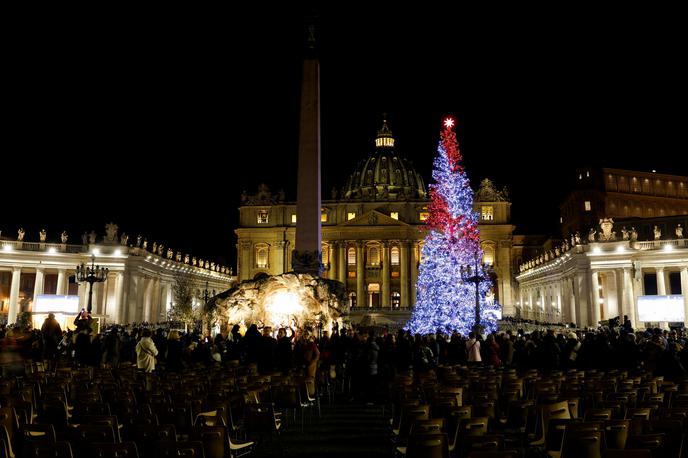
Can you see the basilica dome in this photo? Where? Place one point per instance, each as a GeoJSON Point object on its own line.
{"type": "Point", "coordinates": [384, 175]}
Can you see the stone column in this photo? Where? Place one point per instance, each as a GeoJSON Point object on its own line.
{"type": "Point", "coordinates": [83, 295]}
{"type": "Point", "coordinates": [404, 268]}
{"type": "Point", "coordinates": [618, 291]}
{"type": "Point", "coordinates": [117, 312]}
{"type": "Point", "coordinates": [638, 290]}
{"type": "Point", "coordinates": [628, 304]}
{"type": "Point", "coordinates": [361, 299]}
{"type": "Point", "coordinates": [134, 312]}
{"type": "Point", "coordinates": [570, 283]}
{"type": "Point", "coordinates": [684, 291]}
{"type": "Point", "coordinates": [559, 311]}
{"type": "Point", "coordinates": [14, 296]}
{"type": "Point", "coordinates": [415, 258]}
{"type": "Point", "coordinates": [661, 291]}
{"type": "Point", "coordinates": [61, 287]}
{"type": "Point", "coordinates": [244, 267]}
{"type": "Point", "coordinates": [277, 266]}
{"type": "Point", "coordinates": [582, 297]}
{"type": "Point", "coordinates": [661, 284]}
{"type": "Point", "coordinates": [332, 258]}
{"type": "Point", "coordinates": [342, 261]}
{"type": "Point", "coordinates": [97, 295]}
{"type": "Point", "coordinates": [39, 283]}
{"type": "Point", "coordinates": [595, 298]}
{"type": "Point", "coordinates": [386, 278]}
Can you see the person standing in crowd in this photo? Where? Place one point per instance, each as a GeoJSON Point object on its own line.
{"type": "Point", "coordinates": [311, 355]}
{"type": "Point", "coordinates": [146, 352]}
{"type": "Point", "coordinates": [266, 351]}
{"type": "Point", "coordinates": [492, 351]}
{"type": "Point", "coordinates": [51, 334]}
{"type": "Point", "coordinates": [113, 346]}
{"type": "Point", "coordinates": [473, 349]}
{"type": "Point", "coordinates": [284, 353]}
{"type": "Point", "coordinates": [175, 352]}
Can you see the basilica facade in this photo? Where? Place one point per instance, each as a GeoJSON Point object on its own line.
{"type": "Point", "coordinates": [372, 235]}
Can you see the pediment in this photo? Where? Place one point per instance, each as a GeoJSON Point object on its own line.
{"type": "Point", "coordinates": [374, 218]}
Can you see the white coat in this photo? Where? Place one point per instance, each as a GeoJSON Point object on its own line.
{"type": "Point", "coordinates": [145, 354]}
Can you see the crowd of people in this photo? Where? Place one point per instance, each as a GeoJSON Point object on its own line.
{"type": "Point", "coordinates": [363, 355]}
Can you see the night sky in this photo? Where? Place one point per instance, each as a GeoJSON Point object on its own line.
{"type": "Point", "coordinates": [159, 123]}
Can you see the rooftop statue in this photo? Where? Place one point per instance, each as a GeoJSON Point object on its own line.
{"type": "Point", "coordinates": [111, 232]}
{"type": "Point", "coordinates": [606, 225]}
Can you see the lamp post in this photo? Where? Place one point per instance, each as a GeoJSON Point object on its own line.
{"type": "Point", "coordinates": [91, 274]}
{"type": "Point", "coordinates": [477, 274]}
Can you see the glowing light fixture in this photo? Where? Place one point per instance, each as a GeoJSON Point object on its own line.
{"type": "Point", "coordinates": [7, 248]}
{"type": "Point", "coordinates": [95, 252]}
{"type": "Point", "coordinates": [118, 252]}
{"type": "Point", "coordinates": [668, 248]}
{"type": "Point", "coordinates": [51, 250]}
{"type": "Point", "coordinates": [448, 123]}
{"type": "Point", "coordinates": [282, 306]}
{"type": "Point", "coordinates": [596, 250]}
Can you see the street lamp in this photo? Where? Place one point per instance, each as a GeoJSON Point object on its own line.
{"type": "Point", "coordinates": [91, 274]}
{"type": "Point", "coordinates": [478, 273]}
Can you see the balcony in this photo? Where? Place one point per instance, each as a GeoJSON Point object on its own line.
{"type": "Point", "coordinates": [660, 244]}
{"type": "Point", "coordinates": [15, 245]}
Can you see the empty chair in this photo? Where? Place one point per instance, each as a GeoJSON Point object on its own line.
{"type": "Point", "coordinates": [486, 442]}
{"type": "Point", "coordinates": [167, 449]}
{"type": "Point", "coordinates": [213, 438]}
{"type": "Point", "coordinates": [582, 444]}
{"type": "Point", "coordinates": [627, 454]}
{"type": "Point", "coordinates": [598, 414]}
{"type": "Point", "coordinates": [260, 419]}
{"type": "Point", "coordinates": [210, 418]}
{"type": "Point", "coordinates": [428, 446]}
{"type": "Point", "coordinates": [59, 449]}
{"type": "Point", "coordinates": [434, 425]}
{"type": "Point", "coordinates": [146, 436]}
{"type": "Point", "coordinates": [494, 454]}
{"type": "Point", "coordinates": [102, 450]}
{"type": "Point", "coordinates": [616, 433]}
{"type": "Point", "coordinates": [656, 443]}
{"type": "Point", "coordinates": [476, 426]}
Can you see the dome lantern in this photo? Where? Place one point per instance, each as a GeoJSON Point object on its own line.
{"type": "Point", "coordinates": [384, 175]}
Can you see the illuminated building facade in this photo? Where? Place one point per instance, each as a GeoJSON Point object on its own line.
{"type": "Point", "coordinates": [614, 193]}
{"type": "Point", "coordinates": [372, 233]}
{"type": "Point", "coordinates": [139, 285]}
{"type": "Point", "coordinates": [623, 238]}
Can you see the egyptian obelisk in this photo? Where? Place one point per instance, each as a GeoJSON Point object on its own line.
{"type": "Point", "coordinates": [307, 258]}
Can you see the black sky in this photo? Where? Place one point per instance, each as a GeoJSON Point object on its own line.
{"type": "Point", "coordinates": [158, 123]}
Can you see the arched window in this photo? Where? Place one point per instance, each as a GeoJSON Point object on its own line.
{"type": "Point", "coordinates": [394, 256]}
{"type": "Point", "coordinates": [262, 255]}
{"type": "Point", "coordinates": [351, 256]}
{"type": "Point", "coordinates": [488, 253]}
{"type": "Point", "coordinates": [396, 299]}
{"type": "Point", "coordinates": [352, 299]}
{"type": "Point", "coordinates": [374, 255]}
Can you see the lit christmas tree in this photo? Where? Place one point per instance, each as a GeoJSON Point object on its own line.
{"type": "Point", "coordinates": [444, 301]}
